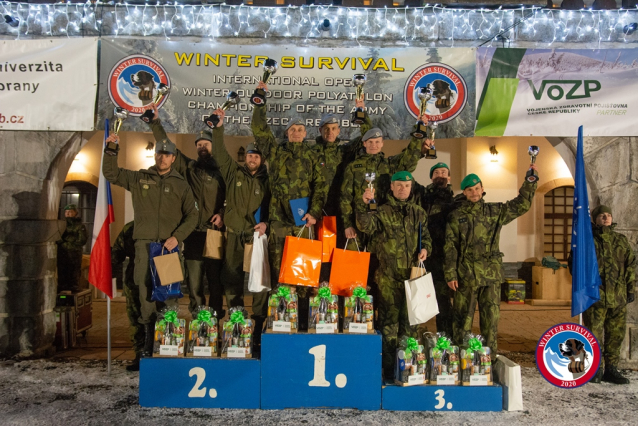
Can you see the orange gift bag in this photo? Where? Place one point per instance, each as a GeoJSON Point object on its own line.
{"type": "Point", "coordinates": [349, 269]}
{"type": "Point", "coordinates": [301, 261]}
{"type": "Point", "coordinates": [328, 236]}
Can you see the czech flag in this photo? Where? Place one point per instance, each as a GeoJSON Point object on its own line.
{"type": "Point", "coordinates": [100, 274]}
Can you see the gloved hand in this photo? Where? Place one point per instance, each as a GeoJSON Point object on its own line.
{"type": "Point", "coordinates": [631, 297]}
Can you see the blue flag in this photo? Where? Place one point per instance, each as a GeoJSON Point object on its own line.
{"type": "Point", "coordinates": [585, 276]}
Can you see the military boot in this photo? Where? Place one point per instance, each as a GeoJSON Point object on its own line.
{"type": "Point", "coordinates": [598, 377]}
{"type": "Point", "coordinates": [135, 365]}
{"type": "Point", "coordinates": [149, 334]}
{"type": "Point", "coordinates": [612, 375]}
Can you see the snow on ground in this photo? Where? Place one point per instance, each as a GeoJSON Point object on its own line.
{"type": "Point", "coordinates": [76, 392]}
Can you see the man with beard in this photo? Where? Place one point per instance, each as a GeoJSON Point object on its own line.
{"type": "Point", "coordinates": [247, 198]}
{"type": "Point", "coordinates": [70, 251]}
{"type": "Point", "coordinates": [205, 179]}
{"type": "Point", "coordinates": [164, 210]}
{"type": "Point", "coordinates": [437, 200]}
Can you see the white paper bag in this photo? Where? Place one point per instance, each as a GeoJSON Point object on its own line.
{"type": "Point", "coordinates": [508, 374]}
{"type": "Point", "coordinates": [259, 278]}
{"type": "Point", "coordinates": [421, 299]}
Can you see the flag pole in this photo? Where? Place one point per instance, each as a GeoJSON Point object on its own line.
{"type": "Point", "coordinates": [108, 334]}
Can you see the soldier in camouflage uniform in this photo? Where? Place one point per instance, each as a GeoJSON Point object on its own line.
{"type": "Point", "coordinates": [437, 199]}
{"type": "Point", "coordinates": [124, 247]}
{"type": "Point", "coordinates": [205, 179]}
{"type": "Point", "coordinates": [70, 251]}
{"type": "Point", "coordinates": [607, 318]}
{"type": "Point", "coordinates": [397, 224]}
{"type": "Point", "coordinates": [296, 171]}
{"type": "Point", "coordinates": [473, 260]}
{"type": "Point", "coordinates": [164, 210]}
{"type": "Point", "coordinates": [247, 195]}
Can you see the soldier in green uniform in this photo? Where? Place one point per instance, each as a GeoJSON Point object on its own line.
{"type": "Point", "coordinates": [607, 318]}
{"type": "Point", "coordinates": [247, 196]}
{"type": "Point", "coordinates": [164, 210]}
{"type": "Point", "coordinates": [437, 199]}
{"type": "Point", "coordinates": [124, 247]}
{"type": "Point", "coordinates": [473, 260]}
{"type": "Point", "coordinates": [70, 251]}
{"type": "Point", "coordinates": [205, 179]}
{"type": "Point", "coordinates": [396, 224]}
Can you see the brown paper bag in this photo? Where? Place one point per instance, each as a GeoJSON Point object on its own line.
{"type": "Point", "coordinates": [214, 247]}
{"type": "Point", "coordinates": [248, 254]}
{"type": "Point", "coordinates": [417, 271]}
{"type": "Point", "coordinates": [169, 268]}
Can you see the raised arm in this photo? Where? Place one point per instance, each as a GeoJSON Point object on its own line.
{"type": "Point", "coordinates": [521, 204]}
{"type": "Point", "coordinates": [114, 174]}
{"type": "Point", "coordinates": [264, 138]}
{"type": "Point", "coordinates": [227, 165]}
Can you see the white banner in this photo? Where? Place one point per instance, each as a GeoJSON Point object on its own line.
{"type": "Point", "coordinates": [48, 84]}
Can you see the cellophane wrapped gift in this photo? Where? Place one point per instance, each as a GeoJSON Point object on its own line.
{"type": "Point", "coordinates": [282, 306]}
{"type": "Point", "coordinates": [411, 367]}
{"type": "Point", "coordinates": [237, 337]}
{"type": "Point", "coordinates": [203, 337]}
{"type": "Point", "coordinates": [476, 362]}
{"type": "Point", "coordinates": [359, 309]}
{"type": "Point", "coordinates": [444, 359]}
{"type": "Point", "coordinates": [324, 309]}
{"type": "Point", "coordinates": [169, 334]}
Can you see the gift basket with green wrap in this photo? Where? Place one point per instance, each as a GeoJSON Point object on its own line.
{"type": "Point", "coordinates": [282, 306]}
{"type": "Point", "coordinates": [203, 337]}
{"type": "Point", "coordinates": [237, 335]}
{"type": "Point", "coordinates": [411, 366]}
{"type": "Point", "coordinates": [169, 334]}
{"type": "Point", "coordinates": [476, 362]}
{"type": "Point", "coordinates": [359, 309]}
{"type": "Point", "coordinates": [324, 308]}
{"type": "Point", "coordinates": [444, 359]}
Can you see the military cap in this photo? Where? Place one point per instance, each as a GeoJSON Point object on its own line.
{"type": "Point", "coordinates": [600, 210]}
{"type": "Point", "coordinates": [402, 176]}
{"type": "Point", "coordinates": [296, 121]}
{"type": "Point", "coordinates": [372, 133]}
{"type": "Point", "coordinates": [165, 145]}
{"type": "Point", "coordinates": [329, 119]}
{"type": "Point", "coordinates": [71, 207]}
{"type": "Point", "coordinates": [206, 135]}
{"type": "Point", "coordinates": [438, 166]}
{"type": "Point", "coordinates": [470, 180]}
{"type": "Point", "coordinates": [252, 149]}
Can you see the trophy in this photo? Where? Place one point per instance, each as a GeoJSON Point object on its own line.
{"type": "Point", "coordinates": [358, 116]}
{"type": "Point", "coordinates": [425, 94]}
{"type": "Point", "coordinates": [120, 114]}
{"type": "Point", "coordinates": [531, 175]}
{"type": "Point", "coordinates": [430, 153]}
{"type": "Point", "coordinates": [372, 205]}
{"type": "Point", "coordinates": [162, 90]}
{"type": "Point", "coordinates": [231, 99]}
{"type": "Point", "coordinates": [259, 96]}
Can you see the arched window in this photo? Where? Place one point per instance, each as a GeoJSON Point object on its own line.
{"type": "Point", "coordinates": [84, 195]}
{"type": "Point", "coordinates": [558, 222]}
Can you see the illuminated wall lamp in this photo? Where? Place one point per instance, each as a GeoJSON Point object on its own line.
{"type": "Point", "coordinates": [494, 153]}
{"type": "Point", "coordinates": [149, 149]}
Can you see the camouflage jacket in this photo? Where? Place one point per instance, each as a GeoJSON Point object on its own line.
{"type": "Point", "coordinates": [245, 192]}
{"type": "Point", "coordinates": [354, 183]}
{"type": "Point", "coordinates": [395, 226]}
{"type": "Point", "coordinates": [437, 203]}
{"type": "Point", "coordinates": [163, 205]}
{"type": "Point", "coordinates": [473, 232]}
{"type": "Point", "coordinates": [124, 247]}
{"type": "Point", "coordinates": [296, 171]}
{"type": "Point", "coordinates": [74, 236]}
{"type": "Point", "coordinates": [338, 155]}
{"type": "Point", "coordinates": [204, 179]}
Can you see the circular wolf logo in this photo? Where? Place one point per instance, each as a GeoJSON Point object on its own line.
{"type": "Point", "coordinates": [568, 355]}
{"type": "Point", "coordinates": [133, 83]}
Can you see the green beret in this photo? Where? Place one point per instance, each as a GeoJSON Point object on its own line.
{"type": "Point", "coordinates": [470, 180]}
{"type": "Point", "coordinates": [600, 210]}
{"type": "Point", "coordinates": [165, 145]}
{"type": "Point", "coordinates": [205, 135]}
{"type": "Point", "coordinates": [71, 207]}
{"type": "Point", "coordinates": [402, 176]}
{"type": "Point", "coordinates": [438, 166]}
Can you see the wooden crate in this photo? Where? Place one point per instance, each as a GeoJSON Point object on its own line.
{"type": "Point", "coordinates": [548, 284]}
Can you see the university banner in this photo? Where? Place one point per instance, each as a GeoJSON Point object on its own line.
{"type": "Point", "coordinates": [551, 92]}
{"type": "Point", "coordinates": [309, 82]}
{"type": "Point", "coordinates": [48, 84]}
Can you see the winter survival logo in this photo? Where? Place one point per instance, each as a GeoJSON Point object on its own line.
{"type": "Point", "coordinates": [449, 96]}
{"type": "Point", "coordinates": [568, 355]}
{"type": "Point", "coordinates": [133, 83]}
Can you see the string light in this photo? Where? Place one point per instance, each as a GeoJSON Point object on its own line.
{"type": "Point", "coordinates": [401, 25]}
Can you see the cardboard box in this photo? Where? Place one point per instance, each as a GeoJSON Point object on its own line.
{"type": "Point", "coordinates": [515, 292]}
{"type": "Point", "coordinates": [551, 285]}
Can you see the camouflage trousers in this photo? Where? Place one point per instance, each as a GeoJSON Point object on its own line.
{"type": "Point", "coordinates": [609, 326]}
{"type": "Point", "coordinates": [444, 319]}
{"type": "Point", "coordinates": [233, 275]}
{"type": "Point", "coordinates": [199, 268]}
{"type": "Point", "coordinates": [69, 269]}
{"type": "Point", "coordinates": [488, 298]}
{"type": "Point", "coordinates": [394, 322]}
{"type": "Point", "coordinates": [134, 311]}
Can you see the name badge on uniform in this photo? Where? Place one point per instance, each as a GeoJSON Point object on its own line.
{"type": "Point", "coordinates": [358, 166]}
